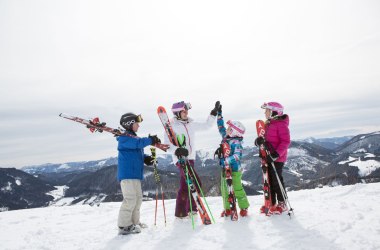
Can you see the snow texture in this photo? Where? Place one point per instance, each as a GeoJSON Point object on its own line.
{"type": "Point", "coordinates": [343, 217]}
{"type": "Point", "coordinates": [365, 167]}
{"type": "Point", "coordinates": [58, 193]}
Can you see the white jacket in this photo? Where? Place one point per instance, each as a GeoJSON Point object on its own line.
{"type": "Point", "coordinates": [188, 128]}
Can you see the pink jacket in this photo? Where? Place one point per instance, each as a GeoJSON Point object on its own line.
{"type": "Point", "coordinates": [278, 136]}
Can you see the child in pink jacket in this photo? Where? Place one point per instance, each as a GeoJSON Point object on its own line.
{"type": "Point", "coordinates": [277, 140]}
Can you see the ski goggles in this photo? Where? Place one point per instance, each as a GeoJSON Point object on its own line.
{"type": "Point", "coordinates": [179, 106]}
{"type": "Point", "coordinates": [138, 118]}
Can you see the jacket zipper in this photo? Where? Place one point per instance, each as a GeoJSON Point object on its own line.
{"type": "Point", "coordinates": [188, 136]}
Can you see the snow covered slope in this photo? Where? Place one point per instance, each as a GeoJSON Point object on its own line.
{"type": "Point", "coordinates": [343, 217]}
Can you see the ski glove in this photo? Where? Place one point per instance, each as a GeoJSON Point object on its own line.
{"type": "Point", "coordinates": [216, 108]}
{"type": "Point", "coordinates": [259, 141]}
{"type": "Point", "coordinates": [272, 157]}
{"type": "Point", "coordinates": [155, 139]}
{"type": "Point", "coordinates": [181, 152]}
{"type": "Point", "coordinates": [220, 109]}
{"type": "Point", "coordinates": [148, 160]}
{"type": "Point", "coordinates": [218, 152]}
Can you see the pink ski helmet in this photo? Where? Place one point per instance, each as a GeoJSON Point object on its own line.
{"type": "Point", "coordinates": [274, 106]}
{"type": "Point", "coordinates": [237, 128]}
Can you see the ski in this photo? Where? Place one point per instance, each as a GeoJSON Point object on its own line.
{"type": "Point", "coordinates": [187, 170]}
{"type": "Point", "coordinates": [161, 111]}
{"type": "Point", "coordinates": [94, 125]}
{"type": "Point", "coordinates": [226, 149]}
{"type": "Point", "coordinates": [260, 127]}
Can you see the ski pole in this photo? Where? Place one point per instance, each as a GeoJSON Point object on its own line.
{"type": "Point", "coordinates": [222, 187]}
{"type": "Point", "coordinates": [158, 181]}
{"type": "Point", "coordinates": [283, 192]}
{"type": "Point", "coordinates": [203, 196]}
{"type": "Point", "coordinates": [163, 204]}
{"type": "Point", "coordinates": [155, 211]}
{"type": "Point", "coordinates": [190, 197]}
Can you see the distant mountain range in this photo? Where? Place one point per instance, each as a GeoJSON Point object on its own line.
{"type": "Point", "coordinates": [329, 143]}
{"type": "Point", "coordinates": [311, 163]}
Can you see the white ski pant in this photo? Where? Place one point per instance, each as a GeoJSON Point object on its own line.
{"type": "Point", "coordinates": [130, 207]}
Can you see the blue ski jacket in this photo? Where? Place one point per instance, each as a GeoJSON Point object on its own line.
{"type": "Point", "coordinates": [131, 156]}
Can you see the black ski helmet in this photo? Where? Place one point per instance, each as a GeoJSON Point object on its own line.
{"type": "Point", "coordinates": [127, 120]}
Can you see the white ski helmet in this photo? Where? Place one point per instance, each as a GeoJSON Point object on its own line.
{"type": "Point", "coordinates": [237, 128]}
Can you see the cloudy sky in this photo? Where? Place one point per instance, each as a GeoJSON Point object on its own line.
{"type": "Point", "coordinates": [320, 59]}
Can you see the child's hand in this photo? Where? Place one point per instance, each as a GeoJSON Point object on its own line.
{"type": "Point", "coordinates": [148, 160]}
{"type": "Point", "coordinates": [259, 141]}
{"type": "Point", "coordinates": [216, 108]}
{"type": "Point", "coordinates": [272, 157]}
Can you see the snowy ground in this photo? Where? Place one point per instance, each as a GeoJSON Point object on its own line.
{"type": "Point", "coordinates": [345, 217]}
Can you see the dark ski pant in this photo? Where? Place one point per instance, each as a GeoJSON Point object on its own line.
{"type": "Point", "coordinates": [275, 189]}
{"type": "Point", "coordinates": [182, 206]}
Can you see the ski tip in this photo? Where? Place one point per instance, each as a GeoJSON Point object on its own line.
{"type": "Point", "coordinates": [161, 109]}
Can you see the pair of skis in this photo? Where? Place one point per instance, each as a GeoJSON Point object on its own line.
{"type": "Point", "coordinates": [191, 179]}
{"type": "Point", "coordinates": [223, 152]}
{"type": "Point", "coordinates": [264, 152]}
{"type": "Point", "coordinates": [94, 125]}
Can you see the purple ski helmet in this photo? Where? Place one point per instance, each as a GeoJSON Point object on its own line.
{"type": "Point", "coordinates": [180, 106]}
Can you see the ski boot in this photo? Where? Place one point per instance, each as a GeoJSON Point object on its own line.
{"type": "Point", "coordinates": [226, 213]}
{"type": "Point", "coordinates": [244, 212]}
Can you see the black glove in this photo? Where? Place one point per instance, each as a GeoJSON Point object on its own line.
{"type": "Point", "coordinates": [155, 139]}
{"type": "Point", "coordinates": [220, 109]}
{"type": "Point", "coordinates": [272, 157]}
{"type": "Point", "coordinates": [181, 152]}
{"type": "Point", "coordinates": [259, 141]}
{"type": "Point", "coordinates": [219, 152]}
{"type": "Point", "coordinates": [216, 108]}
{"type": "Point", "coordinates": [148, 160]}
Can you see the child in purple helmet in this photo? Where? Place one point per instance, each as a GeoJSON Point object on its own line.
{"type": "Point", "coordinates": [277, 140]}
{"type": "Point", "coordinates": [182, 124]}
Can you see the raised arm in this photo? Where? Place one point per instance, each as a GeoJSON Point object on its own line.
{"type": "Point", "coordinates": [220, 123]}
{"type": "Point", "coordinates": [210, 119]}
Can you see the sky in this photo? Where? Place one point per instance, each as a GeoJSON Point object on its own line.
{"type": "Point", "coordinates": [341, 217]}
{"type": "Point", "coordinates": [320, 59]}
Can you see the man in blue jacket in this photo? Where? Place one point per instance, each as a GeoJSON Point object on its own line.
{"type": "Point", "coordinates": [131, 159]}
